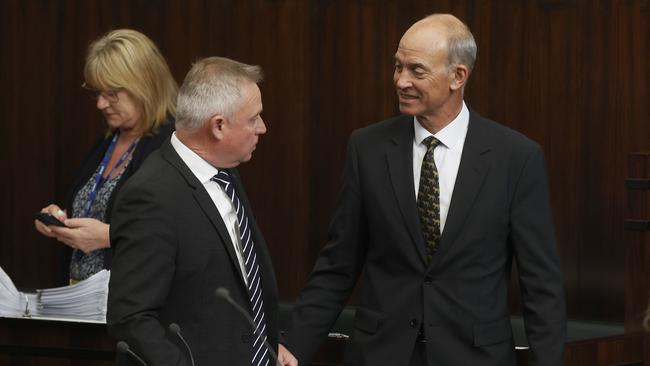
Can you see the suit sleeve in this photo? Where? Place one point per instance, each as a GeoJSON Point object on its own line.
{"type": "Point", "coordinates": [540, 277]}
{"type": "Point", "coordinates": [336, 269]}
{"type": "Point", "coordinates": [143, 268]}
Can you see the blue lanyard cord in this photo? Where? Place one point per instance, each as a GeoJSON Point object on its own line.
{"type": "Point", "coordinates": [99, 181]}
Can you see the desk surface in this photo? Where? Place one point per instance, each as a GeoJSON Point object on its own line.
{"type": "Point", "coordinates": [20, 338]}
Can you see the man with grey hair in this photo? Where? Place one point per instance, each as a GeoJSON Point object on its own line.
{"type": "Point", "coordinates": [183, 228]}
{"type": "Point", "coordinates": [435, 206]}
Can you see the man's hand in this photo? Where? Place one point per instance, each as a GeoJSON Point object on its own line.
{"type": "Point", "coordinates": [285, 358]}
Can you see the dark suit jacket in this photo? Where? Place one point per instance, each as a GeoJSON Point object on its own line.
{"type": "Point", "coordinates": [89, 165]}
{"type": "Point", "coordinates": [171, 252]}
{"type": "Point", "coordinates": [499, 212]}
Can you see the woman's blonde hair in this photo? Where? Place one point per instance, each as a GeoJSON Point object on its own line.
{"type": "Point", "coordinates": [129, 60]}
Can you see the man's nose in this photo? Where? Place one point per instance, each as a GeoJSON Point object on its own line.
{"type": "Point", "coordinates": [402, 80]}
{"type": "Point", "coordinates": [261, 128]}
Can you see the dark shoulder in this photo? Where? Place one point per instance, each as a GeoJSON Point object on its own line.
{"type": "Point", "coordinates": [156, 184]}
{"type": "Point", "coordinates": [167, 128]}
{"type": "Point", "coordinates": [151, 143]}
{"type": "Point", "coordinates": [506, 146]}
{"type": "Point", "coordinates": [156, 139]}
{"type": "Point", "coordinates": [164, 171]}
{"type": "Point", "coordinates": [498, 135]}
{"type": "Point", "coordinates": [397, 127]}
{"type": "Point", "coordinates": [385, 127]}
{"type": "Point", "coordinates": [154, 171]}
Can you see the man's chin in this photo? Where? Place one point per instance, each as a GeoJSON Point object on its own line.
{"type": "Point", "coordinates": [407, 109]}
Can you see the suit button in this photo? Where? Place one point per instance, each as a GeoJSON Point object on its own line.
{"type": "Point", "coordinates": [414, 323]}
{"type": "Point", "coordinates": [428, 280]}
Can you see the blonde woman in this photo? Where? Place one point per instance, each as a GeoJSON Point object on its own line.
{"type": "Point", "coordinates": [135, 91]}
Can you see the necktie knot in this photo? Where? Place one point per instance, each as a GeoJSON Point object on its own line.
{"type": "Point", "coordinates": [223, 179]}
{"type": "Point", "coordinates": [431, 142]}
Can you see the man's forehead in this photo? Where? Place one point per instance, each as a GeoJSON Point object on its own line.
{"type": "Point", "coordinates": [428, 40]}
{"type": "Point", "coordinates": [406, 51]}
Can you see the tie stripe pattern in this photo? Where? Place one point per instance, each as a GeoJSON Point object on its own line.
{"type": "Point", "coordinates": [260, 352]}
{"type": "Point", "coordinates": [429, 199]}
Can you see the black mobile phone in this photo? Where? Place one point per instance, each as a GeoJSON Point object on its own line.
{"type": "Point", "coordinates": [48, 219]}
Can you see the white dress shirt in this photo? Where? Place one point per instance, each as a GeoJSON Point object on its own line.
{"type": "Point", "coordinates": [446, 155]}
{"type": "Point", "coordinates": [204, 172]}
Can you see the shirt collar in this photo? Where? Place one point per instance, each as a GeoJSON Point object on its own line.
{"type": "Point", "coordinates": [203, 170]}
{"type": "Point", "coordinates": [450, 135]}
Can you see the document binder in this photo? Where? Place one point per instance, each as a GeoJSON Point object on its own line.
{"type": "Point", "coordinates": [84, 301]}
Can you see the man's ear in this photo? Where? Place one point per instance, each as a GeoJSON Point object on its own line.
{"type": "Point", "coordinates": [460, 73]}
{"type": "Point", "coordinates": [217, 123]}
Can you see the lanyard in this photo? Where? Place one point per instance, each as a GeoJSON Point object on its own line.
{"type": "Point", "coordinates": [99, 181]}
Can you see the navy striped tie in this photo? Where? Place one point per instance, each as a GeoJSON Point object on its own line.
{"type": "Point", "coordinates": [260, 352]}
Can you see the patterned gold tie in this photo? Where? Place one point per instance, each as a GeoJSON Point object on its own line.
{"type": "Point", "coordinates": [429, 199]}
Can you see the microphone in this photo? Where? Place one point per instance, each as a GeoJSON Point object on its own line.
{"type": "Point", "coordinates": [175, 329]}
{"type": "Point", "coordinates": [224, 294]}
{"type": "Point", "coordinates": [124, 348]}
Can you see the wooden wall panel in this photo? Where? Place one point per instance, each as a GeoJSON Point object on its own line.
{"type": "Point", "coordinates": [572, 75]}
{"type": "Point", "coordinates": [611, 351]}
{"type": "Point", "coordinates": [637, 253]}
{"type": "Point", "coordinates": [352, 47]}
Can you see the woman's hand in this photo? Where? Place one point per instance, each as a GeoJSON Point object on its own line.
{"type": "Point", "coordinates": [84, 234]}
{"type": "Point", "coordinates": [55, 211]}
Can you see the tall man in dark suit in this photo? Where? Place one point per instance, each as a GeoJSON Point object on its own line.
{"type": "Point", "coordinates": [183, 227]}
{"type": "Point", "coordinates": [435, 206]}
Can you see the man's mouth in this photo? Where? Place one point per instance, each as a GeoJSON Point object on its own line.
{"type": "Point", "coordinates": [407, 96]}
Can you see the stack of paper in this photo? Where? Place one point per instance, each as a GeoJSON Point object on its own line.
{"type": "Point", "coordinates": [14, 303]}
{"type": "Point", "coordinates": [83, 301]}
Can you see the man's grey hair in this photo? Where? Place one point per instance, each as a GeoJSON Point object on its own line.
{"type": "Point", "coordinates": [461, 46]}
{"type": "Point", "coordinates": [212, 86]}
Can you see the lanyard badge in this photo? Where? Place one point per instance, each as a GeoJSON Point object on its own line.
{"type": "Point", "coordinates": [100, 180]}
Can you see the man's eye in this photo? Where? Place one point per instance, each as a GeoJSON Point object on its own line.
{"type": "Point", "coordinates": [418, 72]}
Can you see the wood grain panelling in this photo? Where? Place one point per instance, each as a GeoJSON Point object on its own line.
{"type": "Point", "coordinates": [611, 351]}
{"type": "Point", "coordinates": [572, 75]}
{"type": "Point", "coordinates": [351, 69]}
{"type": "Point", "coordinates": [637, 248]}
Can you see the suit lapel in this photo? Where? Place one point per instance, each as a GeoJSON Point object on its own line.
{"type": "Point", "coordinates": [471, 173]}
{"type": "Point", "coordinates": [399, 157]}
{"type": "Point", "coordinates": [204, 201]}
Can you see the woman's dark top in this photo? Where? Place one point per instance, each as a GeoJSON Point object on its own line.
{"type": "Point", "coordinates": [86, 265]}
